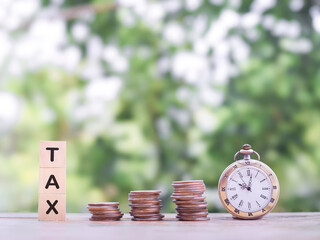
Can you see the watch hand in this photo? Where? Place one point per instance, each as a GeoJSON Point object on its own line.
{"type": "Point", "coordinates": [243, 182]}
{"type": "Point", "coordinates": [249, 184]}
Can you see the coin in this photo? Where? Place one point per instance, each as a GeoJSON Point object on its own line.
{"type": "Point", "coordinates": [145, 192]}
{"type": "Point", "coordinates": [104, 219]}
{"type": "Point", "coordinates": [191, 197]}
{"type": "Point", "coordinates": [193, 219]}
{"type": "Point", "coordinates": [145, 199]}
{"type": "Point", "coordinates": [104, 204]}
{"type": "Point", "coordinates": [145, 205]}
{"type": "Point", "coordinates": [188, 182]}
{"type": "Point", "coordinates": [187, 202]}
{"type": "Point", "coordinates": [147, 219]}
{"type": "Point", "coordinates": [104, 211]}
{"type": "Point", "coordinates": [134, 211]}
{"type": "Point", "coordinates": [102, 207]}
{"type": "Point", "coordinates": [138, 205]}
{"type": "Point", "coordinates": [191, 204]}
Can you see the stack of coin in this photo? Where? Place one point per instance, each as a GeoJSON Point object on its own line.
{"type": "Point", "coordinates": [105, 211]}
{"type": "Point", "coordinates": [191, 204]}
{"type": "Point", "coordinates": [145, 205]}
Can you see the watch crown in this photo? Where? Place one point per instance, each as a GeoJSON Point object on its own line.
{"type": "Point", "coordinates": [246, 147]}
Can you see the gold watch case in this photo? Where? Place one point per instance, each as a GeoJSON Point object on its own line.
{"type": "Point", "coordinates": [244, 163]}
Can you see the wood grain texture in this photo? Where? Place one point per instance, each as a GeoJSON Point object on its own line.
{"type": "Point", "coordinates": [287, 226]}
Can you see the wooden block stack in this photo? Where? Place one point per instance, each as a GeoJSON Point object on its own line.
{"type": "Point", "coordinates": [52, 181]}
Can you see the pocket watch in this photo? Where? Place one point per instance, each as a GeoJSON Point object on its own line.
{"type": "Point", "coordinates": [248, 188]}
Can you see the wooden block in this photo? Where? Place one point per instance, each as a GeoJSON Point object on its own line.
{"type": "Point", "coordinates": [52, 207]}
{"type": "Point", "coordinates": [52, 154]}
{"type": "Point", "coordinates": [52, 180]}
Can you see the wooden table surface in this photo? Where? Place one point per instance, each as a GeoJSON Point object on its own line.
{"type": "Point", "coordinates": [285, 226]}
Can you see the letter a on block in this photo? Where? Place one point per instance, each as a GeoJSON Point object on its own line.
{"type": "Point", "coordinates": [52, 180]}
{"type": "Point", "coordinates": [52, 154]}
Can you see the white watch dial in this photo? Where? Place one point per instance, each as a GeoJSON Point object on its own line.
{"type": "Point", "coordinates": [249, 189]}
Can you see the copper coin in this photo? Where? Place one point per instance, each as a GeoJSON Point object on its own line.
{"type": "Point", "coordinates": [146, 219]}
{"type": "Point", "coordinates": [184, 193]}
{"type": "Point", "coordinates": [185, 210]}
{"type": "Point", "coordinates": [197, 214]}
{"type": "Point", "coordinates": [194, 219]}
{"type": "Point", "coordinates": [189, 188]}
{"type": "Point", "coordinates": [146, 200]}
{"type": "Point", "coordinates": [182, 205]}
{"type": "Point", "coordinates": [144, 205]}
{"type": "Point", "coordinates": [187, 185]}
{"type": "Point", "coordinates": [104, 208]}
{"type": "Point", "coordinates": [103, 204]}
{"type": "Point", "coordinates": [185, 197]}
{"type": "Point", "coordinates": [147, 215]}
{"type": "Point", "coordinates": [179, 187]}
{"type": "Point", "coordinates": [188, 201]}
{"type": "Point", "coordinates": [143, 199]}
{"type": "Point", "coordinates": [144, 211]}
{"type": "Point", "coordinates": [194, 206]}
{"type": "Point", "coordinates": [190, 197]}
{"type": "Point", "coordinates": [192, 214]}
{"type": "Point", "coordinates": [105, 212]}
{"type": "Point", "coordinates": [144, 196]}
{"type": "Point", "coordinates": [145, 192]}
{"type": "Point", "coordinates": [104, 219]}
{"type": "Point", "coordinates": [106, 216]}
{"type": "Point", "coordinates": [187, 181]}
{"type": "Point", "coordinates": [191, 210]}
{"type": "Point", "coordinates": [188, 193]}
{"type": "Point", "coordinates": [133, 205]}
{"type": "Point", "coordinates": [159, 215]}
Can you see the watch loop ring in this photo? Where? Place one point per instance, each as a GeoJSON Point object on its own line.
{"type": "Point", "coordinates": [235, 156]}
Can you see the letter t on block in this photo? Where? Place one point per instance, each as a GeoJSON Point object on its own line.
{"type": "Point", "coordinates": [53, 154]}
{"type": "Point", "coordinates": [52, 181]}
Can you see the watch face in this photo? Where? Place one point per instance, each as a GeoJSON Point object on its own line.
{"type": "Point", "coordinates": [249, 189]}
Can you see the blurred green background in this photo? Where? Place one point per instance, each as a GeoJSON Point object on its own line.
{"type": "Point", "coordinates": [148, 92]}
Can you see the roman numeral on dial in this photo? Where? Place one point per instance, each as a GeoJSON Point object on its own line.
{"type": "Point", "coordinates": [263, 196]}
{"type": "Point", "coordinates": [234, 197]}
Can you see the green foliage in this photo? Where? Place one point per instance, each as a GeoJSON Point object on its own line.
{"type": "Point", "coordinates": [273, 104]}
